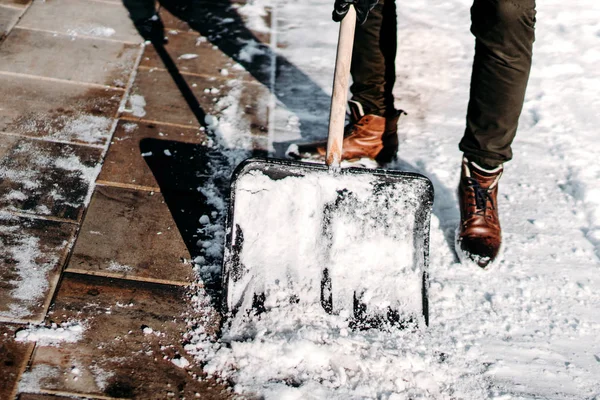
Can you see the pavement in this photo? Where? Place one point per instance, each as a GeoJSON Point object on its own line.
{"type": "Point", "coordinates": [93, 230]}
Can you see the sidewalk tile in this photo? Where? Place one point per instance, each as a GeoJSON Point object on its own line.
{"type": "Point", "coordinates": [140, 239]}
{"type": "Point", "coordinates": [16, 3]}
{"type": "Point", "coordinates": [74, 59]}
{"type": "Point", "coordinates": [34, 396]}
{"type": "Point", "coordinates": [8, 17]}
{"type": "Point", "coordinates": [59, 111]}
{"type": "Point", "coordinates": [194, 54]}
{"type": "Point", "coordinates": [171, 22]}
{"type": "Point", "coordinates": [46, 178]}
{"type": "Point", "coordinates": [202, 7]}
{"type": "Point", "coordinates": [76, 17]}
{"type": "Point", "coordinates": [116, 356]}
{"type": "Point", "coordinates": [13, 359]}
{"type": "Point", "coordinates": [245, 104]}
{"type": "Point", "coordinates": [222, 25]}
{"type": "Point", "coordinates": [125, 164]}
{"type": "Point", "coordinates": [33, 254]}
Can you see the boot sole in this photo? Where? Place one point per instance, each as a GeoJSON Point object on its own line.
{"type": "Point", "coordinates": [465, 259]}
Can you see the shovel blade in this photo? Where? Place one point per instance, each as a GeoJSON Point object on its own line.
{"type": "Point", "coordinates": [354, 240]}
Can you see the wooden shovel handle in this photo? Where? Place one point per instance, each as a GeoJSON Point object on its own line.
{"type": "Point", "coordinates": [339, 97]}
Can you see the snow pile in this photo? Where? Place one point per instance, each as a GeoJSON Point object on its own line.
{"type": "Point", "coordinates": [303, 356]}
{"type": "Point", "coordinates": [232, 132]}
{"type": "Point", "coordinates": [68, 332]}
{"type": "Point", "coordinates": [137, 103]}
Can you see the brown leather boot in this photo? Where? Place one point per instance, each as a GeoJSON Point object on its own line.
{"type": "Point", "coordinates": [369, 136]}
{"type": "Point", "coordinates": [362, 138]}
{"type": "Point", "coordinates": [390, 138]}
{"type": "Point", "coordinates": [479, 236]}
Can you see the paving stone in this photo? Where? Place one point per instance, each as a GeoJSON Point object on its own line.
{"type": "Point", "coordinates": [226, 19]}
{"type": "Point", "coordinates": [33, 255]}
{"type": "Point", "coordinates": [88, 18]}
{"type": "Point", "coordinates": [8, 17]}
{"type": "Point", "coordinates": [132, 234]}
{"type": "Point", "coordinates": [194, 54]}
{"type": "Point", "coordinates": [35, 396]}
{"type": "Point", "coordinates": [78, 59]}
{"type": "Point", "coordinates": [172, 22]}
{"type": "Point", "coordinates": [46, 178]}
{"type": "Point", "coordinates": [16, 3]}
{"type": "Point", "coordinates": [239, 103]}
{"type": "Point", "coordinates": [115, 357]}
{"type": "Point", "coordinates": [13, 359]}
{"type": "Point", "coordinates": [225, 27]}
{"type": "Point", "coordinates": [125, 162]}
{"type": "Point", "coordinates": [56, 110]}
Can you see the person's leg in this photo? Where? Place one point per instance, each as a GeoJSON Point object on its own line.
{"type": "Point", "coordinates": [504, 32]}
{"type": "Point", "coordinates": [373, 60]}
{"type": "Point", "coordinates": [372, 132]}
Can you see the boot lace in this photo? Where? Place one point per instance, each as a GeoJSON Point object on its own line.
{"type": "Point", "coordinates": [482, 197]}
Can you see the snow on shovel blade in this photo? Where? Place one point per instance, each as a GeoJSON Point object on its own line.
{"type": "Point", "coordinates": [355, 241]}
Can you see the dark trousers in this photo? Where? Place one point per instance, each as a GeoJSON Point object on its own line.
{"type": "Point", "coordinates": [504, 36]}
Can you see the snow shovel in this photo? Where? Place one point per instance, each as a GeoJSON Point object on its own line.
{"type": "Point", "coordinates": [353, 241]}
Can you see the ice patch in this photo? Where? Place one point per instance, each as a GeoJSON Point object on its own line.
{"type": "Point", "coordinates": [136, 105]}
{"type": "Point", "coordinates": [180, 362]}
{"type": "Point", "coordinates": [187, 56]}
{"type": "Point", "coordinates": [100, 31]}
{"type": "Point", "coordinates": [51, 336]}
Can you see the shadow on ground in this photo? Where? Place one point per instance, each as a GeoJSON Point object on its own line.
{"type": "Point", "coordinates": [222, 25]}
{"type": "Point", "coordinates": [445, 207]}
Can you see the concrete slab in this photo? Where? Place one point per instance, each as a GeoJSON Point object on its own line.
{"type": "Point", "coordinates": [37, 396]}
{"type": "Point", "coordinates": [46, 178]}
{"type": "Point", "coordinates": [227, 28]}
{"type": "Point", "coordinates": [247, 104]}
{"type": "Point", "coordinates": [57, 110]}
{"type": "Point", "coordinates": [13, 359]}
{"type": "Point", "coordinates": [33, 255]}
{"type": "Point", "coordinates": [131, 234]}
{"type": "Point", "coordinates": [87, 18]}
{"type": "Point", "coordinates": [125, 164]}
{"type": "Point", "coordinates": [226, 17]}
{"type": "Point", "coordinates": [171, 22]}
{"type": "Point", "coordinates": [71, 58]}
{"type": "Point", "coordinates": [116, 356]}
{"type": "Point", "coordinates": [15, 3]}
{"type": "Point", "coordinates": [8, 18]}
{"type": "Point", "coordinates": [194, 54]}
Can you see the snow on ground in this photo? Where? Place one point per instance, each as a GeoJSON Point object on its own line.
{"type": "Point", "coordinates": [529, 328]}
{"type": "Point", "coordinates": [30, 267]}
{"type": "Point", "coordinates": [53, 335]}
